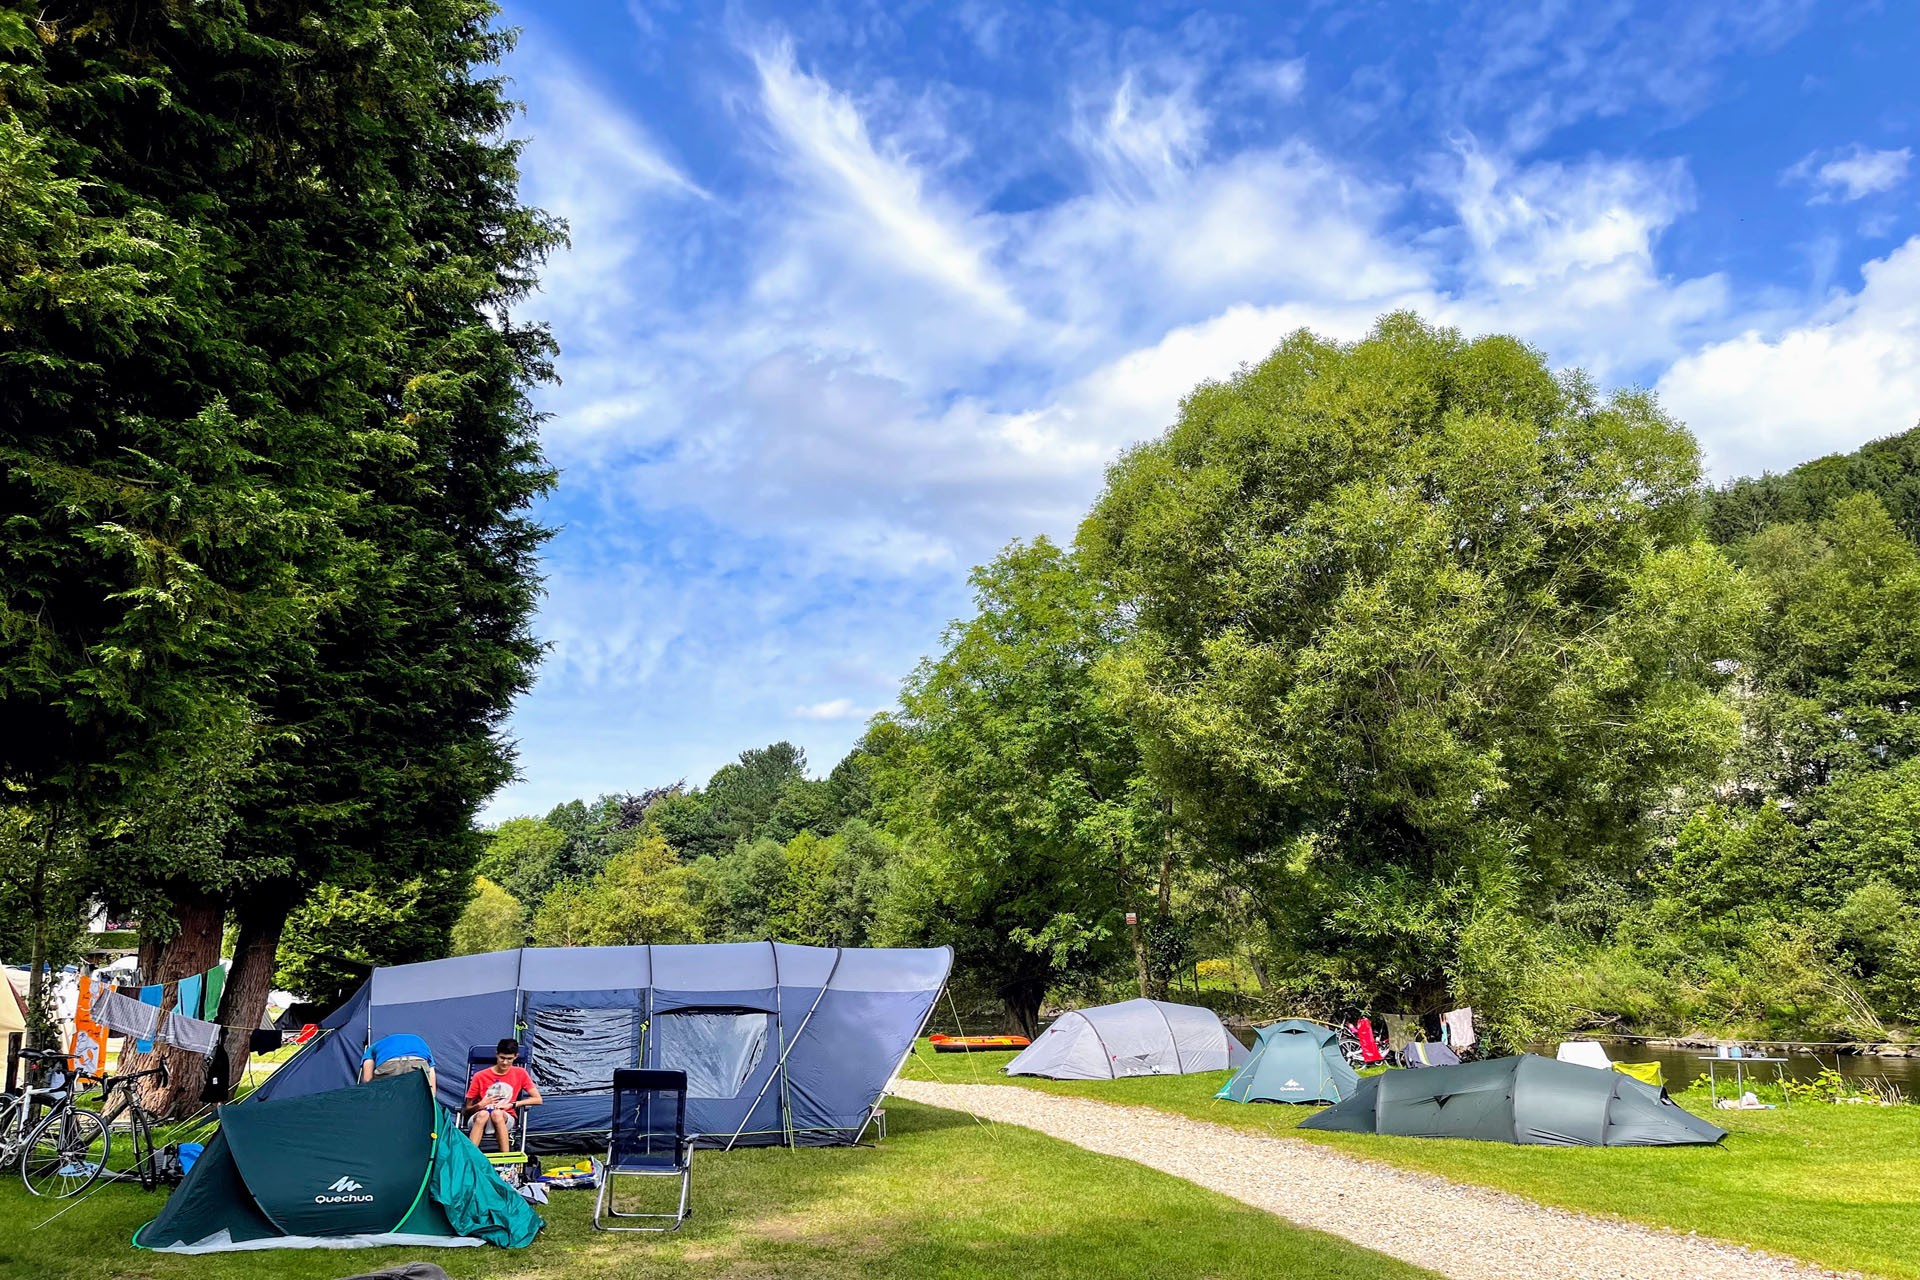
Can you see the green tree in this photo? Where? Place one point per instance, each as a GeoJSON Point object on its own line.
{"type": "Point", "coordinates": [491, 922]}
{"type": "Point", "coordinates": [523, 856]}
{"type": "Point", "coordinates": [640, 896]}
{"type": "Point", "coordinates": [1888, 469]}
{"type": "Point", "coordinates": [1419, 626]}
{"type": "Point", "coordinates": [1030, 819]}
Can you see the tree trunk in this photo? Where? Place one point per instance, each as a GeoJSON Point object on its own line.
{"type": "Point", "coordinates": [38, 1023]}
{"type": "Point", "coordinates": [262, 917]}
{"type": "Point", "coordinates": [200, 918]}
{"type": "Point", "coordinates": [1140, 956]}
{"type": "Point", "coordinates": [1157, 987]}
{"type": "Point", "coordinates": [1022, 998]}
{"type": "Point", "coordinates": [1259, 968]}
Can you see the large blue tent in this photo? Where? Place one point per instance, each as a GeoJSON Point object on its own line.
{"type": "Point", "coordinates": [782, 1045]}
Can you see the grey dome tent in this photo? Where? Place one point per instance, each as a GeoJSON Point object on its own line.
{"type": "Point", "coordinates": [1293, 1061]}
{"type": "Point", "coordinates": [1132, 1038]}
{"type": "Point", "coordinates": [376, 1164]}
{"type": "Point", "coordinates": [1529, 1100]}
{"type": "Point", "coordinates": [782, 1045]}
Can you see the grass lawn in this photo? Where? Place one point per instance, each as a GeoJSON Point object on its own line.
{"type": "Point", "coordinates": [1837, 1185]}
{"type": "Point", "coordinates": [942, 1197]}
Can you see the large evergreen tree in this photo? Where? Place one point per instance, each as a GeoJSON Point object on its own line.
{"type": "Point", "coordinates": [267, 432]}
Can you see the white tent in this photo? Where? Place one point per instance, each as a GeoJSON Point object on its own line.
{"type": "Point", "coordinates": [1133, 1038]}
{"type": "Point", "coordinates": [1588, 1053]}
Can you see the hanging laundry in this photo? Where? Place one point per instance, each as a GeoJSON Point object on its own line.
{"type": "Point", "coordinates": [1459, 1028]}
{"type": "Point", "coordinates": [216, 985]}
{"type": "Point", "coordinates": [1369, 1047]}
{"type": "Point", "coordinates": [263, 1041]}
{"type": "Point", "coordinates": [151, 995]}
{"type": "Point", "coordinates": [66, 997]}
{"type": "Point", "coordinates": [191, 1034]}
{"type": "Point", "coordinates": [1402, 1030]}
{"type": "Point", "coordinates": [88, 1043]}
{"type": "Point", "coordinates": [219, 1083]}
{"type": "Point", "coordinates": [188, 1002]}
{"type": "Point", "coordinates": [127, 1017]}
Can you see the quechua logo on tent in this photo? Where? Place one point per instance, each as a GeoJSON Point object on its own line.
{"type": "Point", "coordinates": [343, 1193]}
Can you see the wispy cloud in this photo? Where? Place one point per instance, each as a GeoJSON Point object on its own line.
{"type": "Point", "coordinates": [1850, 174]}
{"type": "Point", "coordinates": [830, 338]}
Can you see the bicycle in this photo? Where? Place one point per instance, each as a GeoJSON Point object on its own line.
{"type": "Point", "coordinates": [73, 1146]}
{"type": "Point", "coordinates": [20, 1111]}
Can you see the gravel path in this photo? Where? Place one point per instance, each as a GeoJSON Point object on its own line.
{"type": "Point", "coordinates": [1469, 1233]}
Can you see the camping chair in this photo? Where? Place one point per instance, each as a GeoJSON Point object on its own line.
{"type": "Point", "coordinates": [511, 1164]}
{"type": "Point", "coordinates": [649, 1140]}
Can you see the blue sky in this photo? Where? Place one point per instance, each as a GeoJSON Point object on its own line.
{"type": "Point", "coordinates": [858, 293]}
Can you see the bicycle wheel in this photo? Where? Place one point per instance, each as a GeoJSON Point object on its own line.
{"type": "Point", "coordinates": [10, 1136]}
{"type": "Point", "coordinates": [65, 1154]}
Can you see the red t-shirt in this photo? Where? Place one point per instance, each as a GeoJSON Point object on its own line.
{"type": "Point", "coordinates": [499, 1088]}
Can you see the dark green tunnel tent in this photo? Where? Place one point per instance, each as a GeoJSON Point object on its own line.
{"type": "Point", "coordinates": [375, 1164]}
{"type": "Point", "coordinates": [1529, 1100]}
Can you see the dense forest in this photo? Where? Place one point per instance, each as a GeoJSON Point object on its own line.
{"type": "Point", "coordinates": [1397, 674]}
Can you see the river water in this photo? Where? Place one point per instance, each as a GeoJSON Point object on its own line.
{"type": "Point", "coordinates": [1683, 1065]}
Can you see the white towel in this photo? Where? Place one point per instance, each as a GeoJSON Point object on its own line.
{"type": "Point", "coordinates": [1459, 1028]}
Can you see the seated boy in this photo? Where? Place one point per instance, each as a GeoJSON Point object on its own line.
{"type": "Point", "coordinates": [494, 1091]}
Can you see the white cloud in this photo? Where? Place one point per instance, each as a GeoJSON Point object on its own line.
{"type": "Point", "coordinates": [1138, 141]}
{"type": "Point", "coordinates": [1847, 375]}
{"type": "Point", "coordinates": [836, 709]}
{"type": "Point", "coordinates": [1851, 174]}
{"type": "Point", "coordinates": [877, 197]}
{"type": "Point", "coordinates": [800, 403]}
{"type": "Point", "coordinates": [1564, 254]}
{"type": "Point", "coordinates": [1283, 80]}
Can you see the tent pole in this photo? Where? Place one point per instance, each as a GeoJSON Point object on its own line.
{"type": "Point", "coordinates": [780, 1067]}
{"type": "Point", "coordinates": [780, 1038]}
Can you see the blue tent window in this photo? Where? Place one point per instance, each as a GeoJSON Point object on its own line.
{"type": "Point", "coordinates": [717, 1050]}
{"type": "Point", "coordinates": [577, 1050]}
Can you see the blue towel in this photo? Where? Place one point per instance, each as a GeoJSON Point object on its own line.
{"type": "Point", "coordinates": [149, 995]}
{"type": "Point", "coordinates": [188, 1005]}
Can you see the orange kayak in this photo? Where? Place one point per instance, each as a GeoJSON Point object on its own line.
{"type": "Point", "coordinates": [976, 1044]}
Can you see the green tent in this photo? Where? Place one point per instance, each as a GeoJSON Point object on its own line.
{"type": "Point", "coordinates": [1526, 1099]}
{"type": "Point", "coordinates": [1293, 1061]}
{"type": "Point", "coordinates": [375, 1164]}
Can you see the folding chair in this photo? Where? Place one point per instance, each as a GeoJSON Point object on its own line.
{"type": "Point", "coordinates": [511, 1163]}
{"type": "Point", "coordinates": [649, 1140]}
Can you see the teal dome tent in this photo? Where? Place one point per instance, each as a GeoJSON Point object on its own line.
{"type": "Point", "coordinates": [1293, 1061]}
{"type": "Point", "coordinates": [375, 1164]}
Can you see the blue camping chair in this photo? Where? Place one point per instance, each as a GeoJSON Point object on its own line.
{"type": "Point", "coordinates": [513, 1161]}
{"type": "Point", "coordinates": [649, 1140]}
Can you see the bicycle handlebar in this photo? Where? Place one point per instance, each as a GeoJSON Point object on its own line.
{"type": "Point", "coordinates": [131, 1076]}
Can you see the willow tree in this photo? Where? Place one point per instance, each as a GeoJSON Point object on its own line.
{"type": "Point", "coordinates": [1419, 628]}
